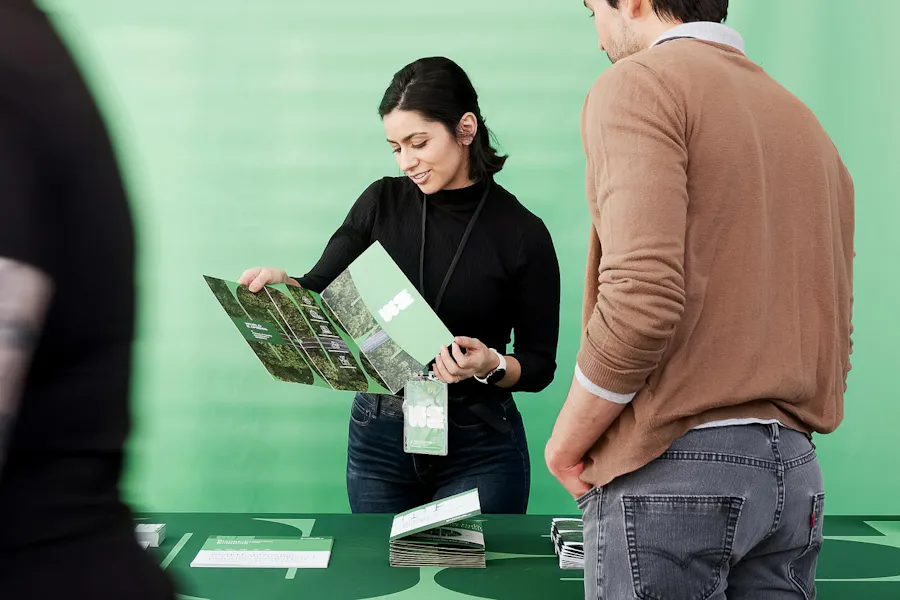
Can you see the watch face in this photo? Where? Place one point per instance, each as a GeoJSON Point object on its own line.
{"type": "Point", "coordinates": [497, 376]}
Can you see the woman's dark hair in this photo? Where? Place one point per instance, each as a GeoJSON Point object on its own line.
{"type": "Point", "coordinates": [440, 91]}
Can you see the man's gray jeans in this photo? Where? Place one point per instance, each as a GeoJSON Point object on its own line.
{"type": "Point", "coordinates": [731, 511]}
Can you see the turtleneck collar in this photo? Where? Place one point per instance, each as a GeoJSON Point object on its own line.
{"type": "Point", "coordinates": [466, 198]}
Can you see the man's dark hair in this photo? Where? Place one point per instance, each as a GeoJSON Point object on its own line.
{"type": "Point", "coordinates": [687, 11]}
{"type": "Point", "coordinates": [440, 90]}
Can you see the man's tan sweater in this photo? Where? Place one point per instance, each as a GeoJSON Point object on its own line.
{"type": "Point", "coordinates": [719, 279]}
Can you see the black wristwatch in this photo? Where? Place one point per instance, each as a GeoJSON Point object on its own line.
{"type": "Point", "coordinates": [497, 374]}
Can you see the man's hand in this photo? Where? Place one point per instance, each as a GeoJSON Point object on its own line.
{"type": "Point", "coordinates": [569, 475]}
{"type": "Point", "coordinates": [583, 419]}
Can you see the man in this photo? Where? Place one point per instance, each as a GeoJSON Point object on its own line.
{"type": "Point", "coordinates": [717, 316]}
{"type": "Point", "coordinates": [66, 321]}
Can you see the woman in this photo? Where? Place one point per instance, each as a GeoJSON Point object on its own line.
{"type": "Point", "coordinates": [447, 209]}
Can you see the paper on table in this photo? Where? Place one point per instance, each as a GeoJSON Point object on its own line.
{"type": "Point", "coordinates": [267, 553]}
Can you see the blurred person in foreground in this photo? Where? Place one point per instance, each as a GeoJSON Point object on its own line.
{"type": "Point", "coordinates": [717, 316]}
{"type": "Point", "coordinates": [66, 324]}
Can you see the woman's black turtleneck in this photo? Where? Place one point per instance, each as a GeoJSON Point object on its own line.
{"type": "Point", "coordinates": [506, 281]}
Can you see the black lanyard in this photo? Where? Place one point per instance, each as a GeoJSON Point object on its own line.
{"type": "Point", "coordinates": [459, 251]}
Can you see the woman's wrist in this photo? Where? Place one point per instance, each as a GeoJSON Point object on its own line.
{"type": "Point", "coordinates": [492, 363]}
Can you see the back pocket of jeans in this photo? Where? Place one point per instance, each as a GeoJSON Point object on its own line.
{"type": "Point", "coordinates": [678, 545]}
{"type": "Point", "coordinates": [803, 568]}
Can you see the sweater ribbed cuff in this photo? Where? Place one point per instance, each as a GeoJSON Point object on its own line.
{"type": "Point", "coordinates": [604, 393]}
{"type": "Point", "coordinates": [602, 376]}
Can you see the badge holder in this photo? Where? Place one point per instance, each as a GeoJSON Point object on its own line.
{"type": "Point", "coordinates": [425, 418]}
{"type": "Point", "coordinates": [425, 399]}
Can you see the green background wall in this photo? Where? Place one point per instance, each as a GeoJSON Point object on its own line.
{"type": "Point", "coordinates": [247, 129]}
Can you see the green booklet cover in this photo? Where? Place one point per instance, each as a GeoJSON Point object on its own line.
{"type": "Point", "coordinates": [368, 331]}
{"type": "Point", "coordinates": [436, 514]}
{"type": "Point", "coordinates": [271, 552]}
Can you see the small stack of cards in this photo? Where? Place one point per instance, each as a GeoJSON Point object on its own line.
{"type": "Point", "coordinates": [439, 534]}
{"type": "Point", "coordinates": [150, 535]}
{"type": "Point", "coordinates": [568, 542]}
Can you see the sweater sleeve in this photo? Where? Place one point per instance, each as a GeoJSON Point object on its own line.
{"type": "Point", "coordinates": [350, 240]}
{"type": "Point", "coordinates": [635, 139]}
{"type": "Point", "coordinates": [536, 309]}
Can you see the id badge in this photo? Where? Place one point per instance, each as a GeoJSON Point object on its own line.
{"type": "Point", "coordinates": [425, 416]}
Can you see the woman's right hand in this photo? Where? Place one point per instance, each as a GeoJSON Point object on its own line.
{"type": "Point", "coordinates": [257, 277]}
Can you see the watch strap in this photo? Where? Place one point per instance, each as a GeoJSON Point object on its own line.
{"type": "Point", "coordinates": [500, 370]}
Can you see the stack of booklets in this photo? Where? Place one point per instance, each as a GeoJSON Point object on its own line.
{"type": "Point", "coordinates": [150, 535]}
{"type": "Point", "coordinates": [439, 534]}
{"type": "Point", "coordinates": [568, 542]}
{"type": "Point", "coordinates": [264, 553]}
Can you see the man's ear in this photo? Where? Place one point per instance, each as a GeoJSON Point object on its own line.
{"type": "Point", "coordinates": [631, 8]}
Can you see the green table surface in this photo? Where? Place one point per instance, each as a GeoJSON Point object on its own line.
{"type": "Point", "coordinates": [859, 560]}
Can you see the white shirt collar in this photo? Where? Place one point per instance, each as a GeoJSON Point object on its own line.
{"type": "Point", "coordinates": [707, 31]}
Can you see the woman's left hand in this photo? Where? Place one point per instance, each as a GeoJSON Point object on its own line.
{"type": "Point", "coordinates": [478, 360]}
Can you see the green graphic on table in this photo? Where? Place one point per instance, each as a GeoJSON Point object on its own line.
{"type": "Point", "coordinates": [860, 559]}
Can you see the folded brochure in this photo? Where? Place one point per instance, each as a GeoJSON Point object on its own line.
{"type": "Point", "coordinates": [368, 331]}
{"type": "Point", "coordinates": [439, 534]}
{"type": "Point", "coordinates": [264, 553]}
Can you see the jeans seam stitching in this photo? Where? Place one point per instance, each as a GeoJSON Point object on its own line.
{"type": "Point", "coordinates": [719, 457]}
{"type": "Point", "coordinates": [367, 411]}
{"type": "Point", "coordinates": [631, 544]}
{"type": "Point", "coordinates": [600, 536]}
{"type": "Point", "coordinates": [526, 462]}
{"type": "Point", "coordinates": [735, 511]}
{"type": "Point", "coordinates": [817, 499]}
{"type": "Point", "coordinates": [800, 461]}
{"type": "Point", "coordinates": [470, 427]}
{"type": "Point", "coordinates": [779, 480]}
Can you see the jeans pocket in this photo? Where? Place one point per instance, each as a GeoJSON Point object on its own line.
{"type": "Point", "coordinates": [466, 419]}
{"type": "Point", "coordinates": [583, 499]}
{"type": "Point", "coordinates": [359, 414]}
{"type": "Point", "coordinates": [678, 545]}
{"type": "Point", "coordinates": [803, 568]}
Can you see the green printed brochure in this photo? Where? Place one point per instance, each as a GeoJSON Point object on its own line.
{"type": "Point", "coordinates": [264, 553]}
{"type": "Point", "coordinates": [368, 331]}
